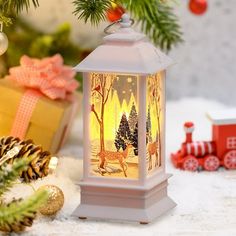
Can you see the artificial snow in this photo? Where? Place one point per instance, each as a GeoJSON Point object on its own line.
{"type": "Point", "coordinates": [206, 201]}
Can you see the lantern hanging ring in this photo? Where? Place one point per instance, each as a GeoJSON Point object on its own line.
{"type": "Point", "coordinates": [125, 22]}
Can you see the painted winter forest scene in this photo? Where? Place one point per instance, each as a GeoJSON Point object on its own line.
{"type": "Point", "coordinates": [114, 125]}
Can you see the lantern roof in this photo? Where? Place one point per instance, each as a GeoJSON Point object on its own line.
{"type": "Point", "coordinates": [125, 51]}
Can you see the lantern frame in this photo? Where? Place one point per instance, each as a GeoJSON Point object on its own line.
{"type": "Point", "coordinates": [144, 198]}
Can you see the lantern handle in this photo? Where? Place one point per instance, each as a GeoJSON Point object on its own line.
{"type": "Point", "coordinates": [125, 22]}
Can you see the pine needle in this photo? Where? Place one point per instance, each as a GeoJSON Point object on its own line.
{"type": "Point", "coordinates": [156, 17]}
{"type": "Point", "coordinates": [9, 173]}
{"type": "Point", "coordinates": [18, 214]}
{"type": "Point", "coordinates": [158, 21]}
{"type": "Point", "coordinates": [93, 10]}
{"type": "Point", "coordinates": [13, 215]}
{"type": "Point", "coordinates": [10, 7]}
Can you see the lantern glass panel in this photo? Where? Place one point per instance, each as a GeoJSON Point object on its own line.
{"type": "Point", "coordinates": [113, 126]}
{"type": "Point", "coordinates": [154, 121]}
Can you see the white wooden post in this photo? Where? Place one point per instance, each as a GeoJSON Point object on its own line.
{"type": "Point", "coordinates": [86, 128]}
{"type": "Point", "coordinates": [142, 128]}
{"type": "Point", "coordinates": [163, 118]}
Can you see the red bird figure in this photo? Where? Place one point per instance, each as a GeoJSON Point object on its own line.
{"type": "Point", "coordinates": [97, 88]}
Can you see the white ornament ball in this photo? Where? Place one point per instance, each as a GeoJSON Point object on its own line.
{"type": "Point", "coordinates": [3, 43]}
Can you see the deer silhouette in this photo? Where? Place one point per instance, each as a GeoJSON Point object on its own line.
{"type": "Point", "coordinates": [110, 156]}
{"type": "Point", "coordinates": [153, 150]}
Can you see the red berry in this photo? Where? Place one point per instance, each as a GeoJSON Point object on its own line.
{"type": "Point", "coordinates": [198, 7]}
{"type": "Point", "coordinates": [115, 13]}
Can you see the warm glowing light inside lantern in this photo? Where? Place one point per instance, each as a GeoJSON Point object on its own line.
{"type": "Point", "coordinates": [114, 124]}
{"type": "Point", "coordinates": [154, 121]}
{"type": "Point", "coordinates": [119, 102]}
{"type": "Point", "coordinates": [112, 99]}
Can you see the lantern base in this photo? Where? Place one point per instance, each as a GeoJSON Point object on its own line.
{"type": "Point", "coordinates": [119, 203]}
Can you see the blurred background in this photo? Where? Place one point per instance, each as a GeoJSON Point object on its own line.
{"type": "Point", "coordinates": [205, 62]}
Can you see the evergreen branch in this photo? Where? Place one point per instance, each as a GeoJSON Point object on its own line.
{"type": "Point", "coordinates": [21, 213]}
{"type": "Point", "coordinates": [9, 7]}
{"type": "Point", "coordinates": [156, 17]}
{"type": "Point", "coordinates": [9, 173]}
{"type": "Point", "coordinates": [93, 10]}
{"type": "Point", "coordinates": [158, 21]}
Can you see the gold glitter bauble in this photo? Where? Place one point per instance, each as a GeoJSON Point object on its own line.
{"type": "Point", "coordinates": [55, 200]}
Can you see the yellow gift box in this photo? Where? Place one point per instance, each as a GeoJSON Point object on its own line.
{"type": "Point", "coordinates": [38, 101]}
{"type": "Point", "coordinates": [50, 122]}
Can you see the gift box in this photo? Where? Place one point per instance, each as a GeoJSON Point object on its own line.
{"type": "Point", "coordinates": [38, 101]}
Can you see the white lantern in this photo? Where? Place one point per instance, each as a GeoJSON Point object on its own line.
{"type": "Point", "coordinates": [124, 129]}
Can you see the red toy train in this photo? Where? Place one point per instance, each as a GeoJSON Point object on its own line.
{"type": "Point", "coordinates": [209, 155]}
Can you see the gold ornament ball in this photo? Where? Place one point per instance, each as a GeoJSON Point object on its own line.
{"type": "Point", "coordinates": [55, 200]}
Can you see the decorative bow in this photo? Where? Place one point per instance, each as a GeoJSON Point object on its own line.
{"type": "Point", "coordinates": [48, 75]}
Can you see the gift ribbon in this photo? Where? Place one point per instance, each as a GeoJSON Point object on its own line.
{"type": "Point", "coordinates": [47, 77]}
{"type": "Point", "coordinates": [24, 113]}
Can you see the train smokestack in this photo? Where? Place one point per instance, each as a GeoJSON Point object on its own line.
{"type": "Point", "coordinates": [189, 128]}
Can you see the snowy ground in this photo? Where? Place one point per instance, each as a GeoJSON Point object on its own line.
{"type": "Point", "coordinates": [206, 201]}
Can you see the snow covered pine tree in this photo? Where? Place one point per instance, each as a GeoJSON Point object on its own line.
{"type": "Point", "coordinates": [133, 118]}
{"type": "Point", "coordinates": [134, 139]}
{"type": "Point", "coordinates": [123, 134]}
{"type": "Point", "coordinates": [149, 127]}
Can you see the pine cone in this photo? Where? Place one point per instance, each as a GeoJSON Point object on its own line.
{"type": "Point", "coordinates": [38, 167]}
{"type": "Point", "coordinates": [18, 226]}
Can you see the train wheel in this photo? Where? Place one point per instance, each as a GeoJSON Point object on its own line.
{"type": "Point", "coordinates": [230, 160]}
{"type": "Point", "coordinates": [211, 163]}
{"type": "Point", "coordinates": [190, 163]}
